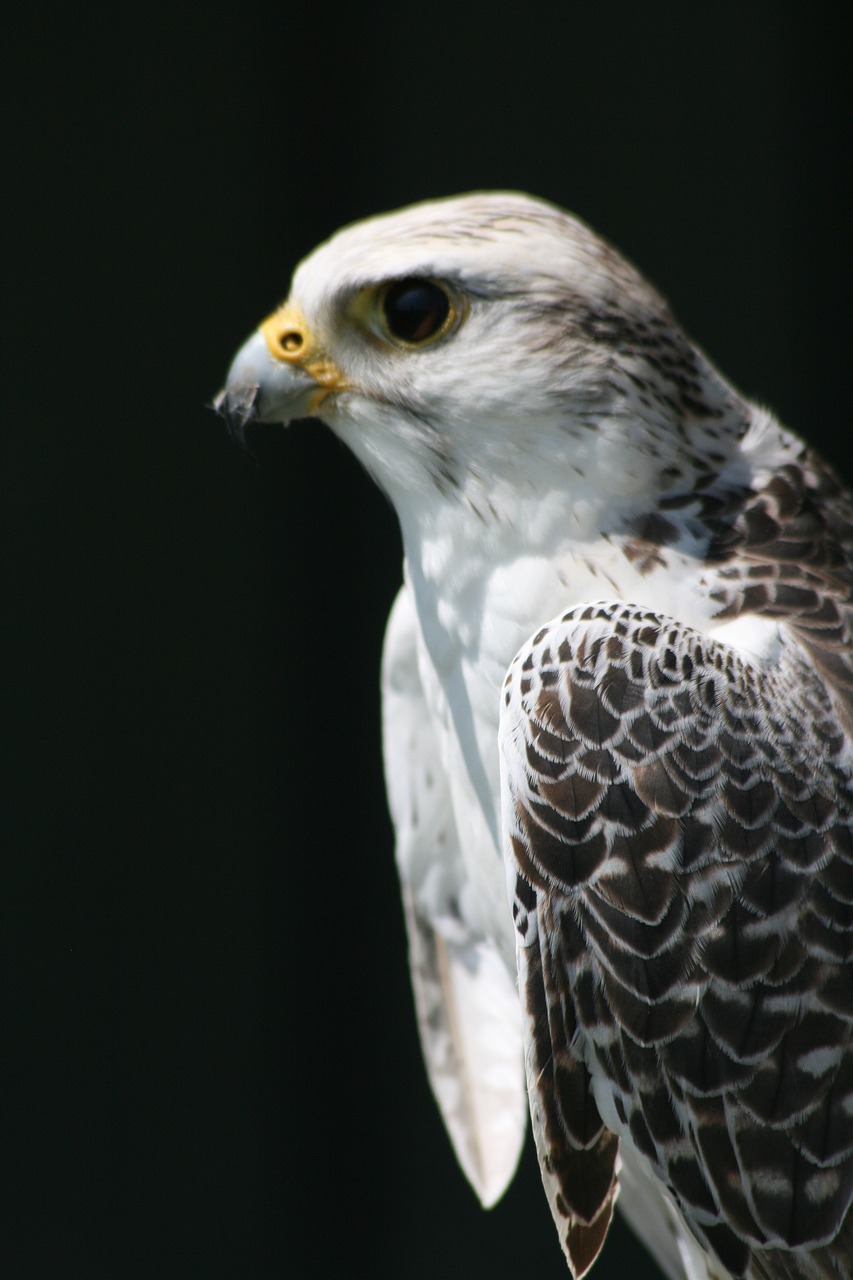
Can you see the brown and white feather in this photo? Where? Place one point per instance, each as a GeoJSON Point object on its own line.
{"type": "Point", "coordinates": [680, 820]}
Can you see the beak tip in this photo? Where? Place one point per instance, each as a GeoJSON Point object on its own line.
{"type": "Point", "coordinates": [238, 405]}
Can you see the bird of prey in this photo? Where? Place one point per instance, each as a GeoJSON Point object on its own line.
{"type": "Point", "coordinates": [618, 712]}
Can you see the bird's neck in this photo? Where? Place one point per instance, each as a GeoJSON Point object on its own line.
{"type": "Point", "coordinates": [495, 557]}
{"type": "Point", "coordinates": [489, 565]}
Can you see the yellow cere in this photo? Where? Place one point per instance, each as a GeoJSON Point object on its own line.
{"type": "Point", "coordinates": [289, 338]}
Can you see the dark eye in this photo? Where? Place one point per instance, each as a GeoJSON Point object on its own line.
{"type": "Point", "coordinates": [415, 309]}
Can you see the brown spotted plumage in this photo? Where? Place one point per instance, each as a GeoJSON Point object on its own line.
{"type": "Point", "coordinates": [681, 824]}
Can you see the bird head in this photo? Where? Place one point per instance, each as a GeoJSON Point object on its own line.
{"type": "Point", "coordinates": [488, 336]}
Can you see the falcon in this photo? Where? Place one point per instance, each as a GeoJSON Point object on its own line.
{"type": "Point", "coordinates": [617, 693]}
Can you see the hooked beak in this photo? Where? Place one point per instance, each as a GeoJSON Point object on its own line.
{"type": "Point", "coordinates": [278, 375]}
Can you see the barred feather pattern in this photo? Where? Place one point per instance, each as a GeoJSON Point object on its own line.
{"type": "Point", "coordinates": [681, 833]}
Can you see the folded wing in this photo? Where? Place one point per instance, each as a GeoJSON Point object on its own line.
{"type": "Point", "coordinates": [466, 1002]}
{"type": "Point", "coordinates": [679, 848]}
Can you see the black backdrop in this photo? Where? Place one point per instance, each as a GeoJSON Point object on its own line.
{"type": "Point", "coordinates": [209, 1051]}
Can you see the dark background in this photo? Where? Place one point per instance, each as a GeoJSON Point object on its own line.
{"type": "Point", "coordinates": [210, 1060]}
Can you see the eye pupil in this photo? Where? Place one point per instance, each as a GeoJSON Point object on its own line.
{"type": "Point", "coordinates": [415, 309]}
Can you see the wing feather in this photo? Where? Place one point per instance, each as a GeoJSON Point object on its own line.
{"type": "Point", "coordinates": [466, 1003]}
{"type": "Point", "coordinates": [679, 847]}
